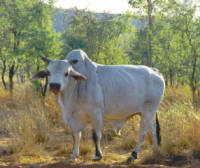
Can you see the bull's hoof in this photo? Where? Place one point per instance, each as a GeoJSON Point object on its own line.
{"type": "Point", "coordinates": [97, 158]}
{"type": "Point", "coordinates": [132, 157]}
{"type": "Point", "coordinates": [72, 156]}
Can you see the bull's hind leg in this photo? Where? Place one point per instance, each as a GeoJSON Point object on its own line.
{"type": "Point", "coordinates": [96, 135]}
{"type": "Point", "coordinates": [145, 125]}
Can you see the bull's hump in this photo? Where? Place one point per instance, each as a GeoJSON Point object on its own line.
{"type": "Point", "coordinates": [76, 54]}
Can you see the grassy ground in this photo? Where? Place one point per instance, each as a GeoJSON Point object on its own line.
{"type": "Point", "coordinates": [32, 133]}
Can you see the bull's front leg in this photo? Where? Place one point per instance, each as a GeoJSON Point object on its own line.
{"type": "Point", "coordinates": [77, 126]}
{"type": "Point", "coordinates": [76, 138]}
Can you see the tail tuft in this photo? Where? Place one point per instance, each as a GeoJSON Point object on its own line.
{"type": "Point", "coordinates": [158, 130]}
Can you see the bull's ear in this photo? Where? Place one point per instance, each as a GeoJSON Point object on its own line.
{"type": "Point", "coordinates": [72, 62]}
{"type": "Point", "coordinates": [41, 74]}
{"type": "Point", "coordinates": [76, 75]}
{"type": "Point", "coordinates": [46, 60]}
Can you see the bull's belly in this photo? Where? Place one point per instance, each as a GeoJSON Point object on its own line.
{"type": "Point", "coordinates": [119, 112]}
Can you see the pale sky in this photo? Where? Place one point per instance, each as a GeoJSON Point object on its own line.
{"type": "Point", "coordinates": [109, 6]}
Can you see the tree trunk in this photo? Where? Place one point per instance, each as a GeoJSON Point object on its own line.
{"type": "Point", "coordinates": [171, 77]}
{"type": "Point", "coordinates": [150, 8]}
{"type": "Point", "coordinates": [166, 82]}
{"type": "Point", "coordinates": [17, 75]}
{"type": "Point", "coordinates": [27, 69]}
{"type": "Point", "coordinates": [192, 80]}
{"type": "Point", "coordinates": [194, 62]}
{"type": "Point", "coordinates": [166, 79]}
{"type": "Point", "coordinates": [22, 78]}
{"type": "Point", "coordinates": [3, 74]}
{"type": "Point", "coordinates": [12, 70]}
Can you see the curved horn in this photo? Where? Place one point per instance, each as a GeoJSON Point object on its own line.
{"type": "Point", "coordinates": [46, 60]}
{"type": "Point", "coordinates": [76, 75]}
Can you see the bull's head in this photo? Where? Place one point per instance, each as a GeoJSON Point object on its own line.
{"type": "Point", "coordinates": [59, 72]}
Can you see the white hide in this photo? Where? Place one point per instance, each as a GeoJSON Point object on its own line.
{"type": "Point", "coordinates": [114, 92]}
{"type": "Point", "coordinates": [120, 91]}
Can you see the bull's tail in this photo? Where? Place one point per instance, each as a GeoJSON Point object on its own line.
{"type": "Point", "coordinates": [158, 130]}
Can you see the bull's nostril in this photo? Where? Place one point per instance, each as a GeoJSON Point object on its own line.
{"type": "Point", "coordinates": [55, 86]}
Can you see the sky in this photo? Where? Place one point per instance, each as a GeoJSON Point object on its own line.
{"type": "Point", "coordinates": [109, 6]}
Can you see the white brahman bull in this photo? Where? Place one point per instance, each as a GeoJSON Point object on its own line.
{"type": "Point", "coordinates": [88, 91]}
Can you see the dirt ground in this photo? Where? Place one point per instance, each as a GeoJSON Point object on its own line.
{"type": "Point", "coordinates": [67, 164]}
{"type": "Point", "coordinates": [110, 160]}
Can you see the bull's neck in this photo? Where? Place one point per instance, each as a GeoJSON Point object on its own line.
{"type": "Point", "coordinates": [69, 95]}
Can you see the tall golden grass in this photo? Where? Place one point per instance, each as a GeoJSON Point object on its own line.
{"type": "Point", "coordinates": [33, 126]}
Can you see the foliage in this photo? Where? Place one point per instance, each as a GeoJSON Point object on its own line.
{"type": "Point", "coordinates": [175, 40]}
{"type": "Point", "coordinates": [26, 35]}
{"type": "Point", "coordinates": [102, 37]}
{"type": "Point", "coordinates": [168, 41]}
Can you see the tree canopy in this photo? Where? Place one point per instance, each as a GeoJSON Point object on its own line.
{"type": "Point", "coordinates": [168, 40]}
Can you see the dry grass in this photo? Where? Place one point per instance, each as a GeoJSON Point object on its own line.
{"type": "Point", "coordinates": [180, 124]}
{"type": "Point", "coordinates": [34, 128]}
{"type": "Point", "coordinates": [27, 119]}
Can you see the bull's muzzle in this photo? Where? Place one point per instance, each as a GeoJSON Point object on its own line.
{"type": "Point", "coordinates": [54, 87]}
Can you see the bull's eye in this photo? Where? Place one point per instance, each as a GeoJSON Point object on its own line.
{"type": "Point", "coordinates": [66, 74]}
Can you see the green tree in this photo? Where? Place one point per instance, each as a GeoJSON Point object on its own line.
{"type": "Point", "coordinates": [100, 36]}
{"type": "Point", "coordinates": [5, 44]}
{"type": "Point", "coordinates": [29, 33]}
{"type": "Point", "coordinates": [190, 25]}
{"type": "Point", "coordinates": [175, 44]}
{"type": "Point", "coordinates": [138, 51]}
{"type": "Point", "coordinates": [149, 9]}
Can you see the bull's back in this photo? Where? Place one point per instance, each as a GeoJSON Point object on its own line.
{"type": "Point", "coordinates": [125, 89]}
